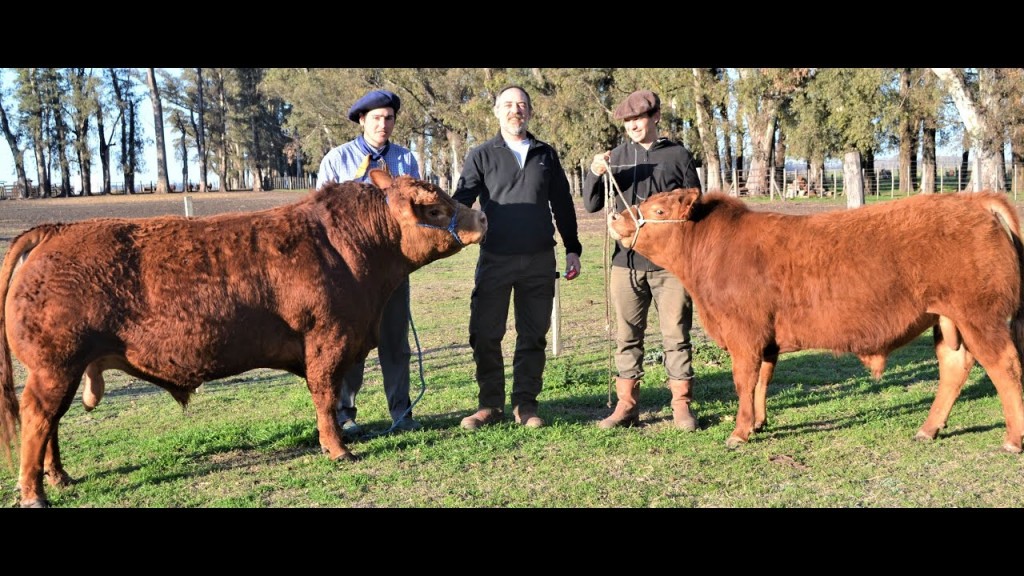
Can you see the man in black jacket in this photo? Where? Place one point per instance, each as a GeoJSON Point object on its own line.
{"type": "Point", "coordinates": [520, 183]}
{"type": "Point", "coordinates": [644, 165]}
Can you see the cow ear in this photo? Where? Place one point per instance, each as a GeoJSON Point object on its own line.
{"type": "Point", "coordinates": [690, 198]}
{"type": "Point", "coordinates": [380, 178]}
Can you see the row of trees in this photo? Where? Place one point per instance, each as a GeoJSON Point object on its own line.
{"type": "Point", "coordinates": [256, 123]}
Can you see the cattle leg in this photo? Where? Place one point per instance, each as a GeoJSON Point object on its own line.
{"type": "Point", "coordinates": [761, 391]}
{"type": "Point", "coordinates": [745, 368]}
{"type": "Point", "coordinates": [44, 401]}
{"type": "Point", "coordinates": [998, 355]}
{"type": "Point", "coordinates": [325, 399]}
{"type": "Point", "coordinates": [954, 367]}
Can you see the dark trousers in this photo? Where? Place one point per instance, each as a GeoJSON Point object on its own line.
{"type": "Point", "coordinates": [394, 354]}
{"type": "Point", "coordinates": [528, 281]}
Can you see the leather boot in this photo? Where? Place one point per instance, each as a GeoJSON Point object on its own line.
{"type": "Point", "coordinates": [682, 395]}
{"type": "Point", "coordinates": [626, 413]}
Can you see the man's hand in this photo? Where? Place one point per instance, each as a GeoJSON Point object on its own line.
{"type": "Point", "coordinates": [572, 265]}
{"type": "Point", "coordinates": [600, 163]}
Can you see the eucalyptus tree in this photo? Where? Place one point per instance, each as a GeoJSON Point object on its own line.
{"type": "Point", "coordinates": [762, 92]}
{"type": "Point", "coordinates": [35, 115]}
{"type": "Point", "coordinates": [101, 101]}
{"type": "Point", "coordinates": [184, 95]}
{"type": "Point", "coordinates": [197, 118]}
{"type": "Point", "coordinates": [572, 107]}
{"type": "Point", "coordinates": [979, 96]}
{"type": "Point", "coordinates": [318, 100]}
{"type": "Point", "coordinates": [162, 184]}
{"type": "Point", "coordinates": [852, 98]}
{"type": "Point", "coordinates": [81, 108]}
{"type": "Point", "coordinates": [123, 83]}
{"type": "Point", "coordinates": [708, 96]}
{"type": "Point", "coordinates": [218, 115]}
{"type": "Point", "coordinates": [14, 133]}
{"type": "Point", "coordinates": [811, 136]}
{"type": "Point", "coordinates": [441, 113]}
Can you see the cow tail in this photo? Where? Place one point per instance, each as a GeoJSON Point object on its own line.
{"type": "Point", "coordinates": [1018, 317]}
{"type": "Point", "coordinates": [1007, 216]}
{"type": "Point", "coordinates": [9, 418]}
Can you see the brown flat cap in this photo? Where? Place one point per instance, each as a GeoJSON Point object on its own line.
{"type": "Point", "coordinates": [638, 103]}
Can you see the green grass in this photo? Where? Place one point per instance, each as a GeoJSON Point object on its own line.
{"type": "Point", "coordinates": [835, 438]}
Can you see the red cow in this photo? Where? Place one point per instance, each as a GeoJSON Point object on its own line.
{"type": "Point", "coordinates": [763, 286]}
{"type": "Point", "coordinates": [179, 301]}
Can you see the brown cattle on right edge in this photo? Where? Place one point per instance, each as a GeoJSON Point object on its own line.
{"type": "Point", "coordinates": [763, 286]}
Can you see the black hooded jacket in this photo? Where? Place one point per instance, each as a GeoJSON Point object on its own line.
{"type": "Point", "coordinates": [639, 173]}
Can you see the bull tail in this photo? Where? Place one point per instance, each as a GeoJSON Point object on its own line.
{"type": "Point", "coordinates": [9, 418]}
{"type": "Point", "coordinates": [1007, 216]}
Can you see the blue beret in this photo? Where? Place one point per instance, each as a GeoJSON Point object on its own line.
{"type": "Point", "coordinates": [371, 101]}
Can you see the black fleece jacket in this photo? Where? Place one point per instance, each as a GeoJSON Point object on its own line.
{"type": "Point", "coordinates": [639, 173]}
{"type": "Point", "coordinates": [519, 202]}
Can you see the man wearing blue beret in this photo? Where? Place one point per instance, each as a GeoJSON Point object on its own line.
{"type": "Point", "coordinates": [376, 113]}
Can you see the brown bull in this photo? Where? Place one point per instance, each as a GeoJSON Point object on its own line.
{"type": "Point", "coordinates": [763, 285]}
{"type": "Point", "coordinates": [179, 301]}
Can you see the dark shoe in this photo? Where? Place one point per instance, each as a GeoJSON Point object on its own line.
{"type": "Point", "coordinates": [406, 424]}
{"type": "Point", "coordinates": [483, 417]}
{"type": "Point", "coordinates": [528, 417]}
{"type": "Point", "coordinates": [350, 430]}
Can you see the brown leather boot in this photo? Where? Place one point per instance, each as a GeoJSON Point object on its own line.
{"type": "Point", "coordinates": [682, 395]}
{"type": "Point", "coordinates": [527, 417]}
{"type": "Point", "coordinates": [626, 413]}
{"type": "Point", "coordinates": [482, 417]}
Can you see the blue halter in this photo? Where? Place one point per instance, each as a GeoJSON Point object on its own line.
{"type": "Point", "coordinates": [451, 225]}
{"type": "Point", "coordinates": [450, 228]}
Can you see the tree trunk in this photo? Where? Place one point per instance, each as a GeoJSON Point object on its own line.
{"type": "Point", "coordinates": [816, 176]}
{"type": "Point", "coordinates": [163, 186]}
{"type": "Point", "coordinates": [61, 136]}
{"type": "Point", "coordinates": [907, 131]}
{"type": "Point", "coordinates": [201, 132]}
{"type": "Point", "coordinates": [779, 163]}
{"type": "Point", "coordinates": [727, 160]}
{"type": "Point", "coordinates": [929, 167]}
{"type": "Point", "coordinates": [965, 170]}
{"type": "Point", "coordinates": [104, 147]}
{"type": "Point", "coordinates": [867, 165]}
{"type": "Point", "coordinates": [980, 118]}
{"type": "Point", "coordinates": [16, 152]}
{"type": "Point", "coordinates": [762, 134]}
{"type": "Point", "coordinates": [1017, 157]}
{"type": "Point", "coordinates": [853, 183]}
{"type": "Point", "coordinates": [706, 131]}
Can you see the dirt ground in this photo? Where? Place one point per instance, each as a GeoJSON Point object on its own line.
{"type": "Point", "coordinates": [19, 215]}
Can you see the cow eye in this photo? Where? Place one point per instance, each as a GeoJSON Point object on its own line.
{"type": "Point", "coordinates": [436, 213]}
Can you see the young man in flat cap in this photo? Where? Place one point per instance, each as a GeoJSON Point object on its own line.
{"type": "Point", "coordinates": [641, 166]}
{"type": "Point", "coordinates": [525, 194]}
{"type": "Point", "coordinates": [376, 112]}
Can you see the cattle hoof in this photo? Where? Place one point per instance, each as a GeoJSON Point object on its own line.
{"type": "Point", "coordinates": [59, 479]}
{"type": "Point", "coordinates": [346, 457]}
{"type": "Point", "coordinates": [923, 436]}
{"type": "Point", "coordinates": [734, 442]}
{"type": "Point", "coordinates": [1012, 448]}
{"type": "Point", "coordinates": [35, 503]}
